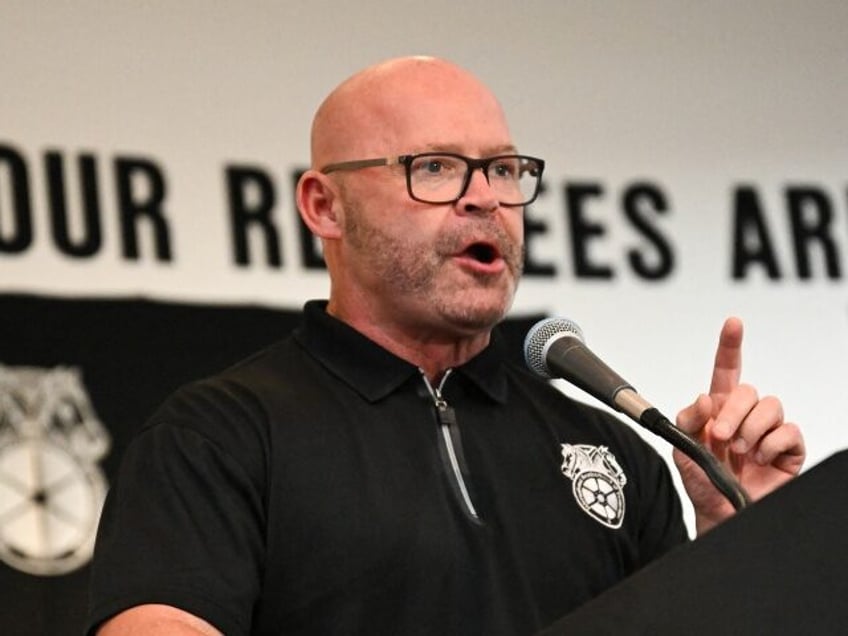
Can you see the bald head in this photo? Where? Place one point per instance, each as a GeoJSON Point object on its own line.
{"type": "Point", "coordinates": [401, 106]}
{"type": "Point", "coordinates": [405, 272]}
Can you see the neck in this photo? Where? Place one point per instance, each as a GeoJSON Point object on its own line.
{"type": "Point", "coordinates": [433, 349]}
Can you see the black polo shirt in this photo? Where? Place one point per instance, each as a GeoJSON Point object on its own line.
{"type": "Point", "coordinates": [314, 489]}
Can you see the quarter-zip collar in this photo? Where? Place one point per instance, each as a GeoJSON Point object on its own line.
{"type": "Point", "coordinates": [374, 372]}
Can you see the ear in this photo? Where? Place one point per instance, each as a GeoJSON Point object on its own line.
{"type": "Point", "coordinates": [319, 204]}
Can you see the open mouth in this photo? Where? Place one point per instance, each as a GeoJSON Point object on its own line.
{"type": "Point", "coordinates": [485, 253]}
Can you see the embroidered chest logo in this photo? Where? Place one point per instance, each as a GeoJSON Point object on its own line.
{"type": "Point", "coordinates": [597, 482]}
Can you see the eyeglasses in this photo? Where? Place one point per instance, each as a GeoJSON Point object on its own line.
{"type": "Point", "coordinates": [443, 177]}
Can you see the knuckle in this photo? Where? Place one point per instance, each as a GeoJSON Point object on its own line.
{"type": "Point", "coordinates": [748, 391]}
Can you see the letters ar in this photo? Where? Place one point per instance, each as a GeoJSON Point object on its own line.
{"type": "Point", "coordinates": [810, 224]}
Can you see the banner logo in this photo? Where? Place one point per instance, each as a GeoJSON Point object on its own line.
{"type": "Point", "coordinates": [51, 488]}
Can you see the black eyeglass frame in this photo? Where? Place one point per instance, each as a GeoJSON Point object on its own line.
{"type": "Point", "coordinates": [473, 164]}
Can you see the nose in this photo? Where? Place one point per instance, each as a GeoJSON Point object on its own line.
{"type": "Point", "coordinates": [479, 195]}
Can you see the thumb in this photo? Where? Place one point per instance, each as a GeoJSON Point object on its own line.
{"type": "Point", "coordinates": [693, 418]}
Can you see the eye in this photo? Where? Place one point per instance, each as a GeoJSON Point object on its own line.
{"type": "Point", "coordinates": [433, 166]}
{"type": "Point", "coordinates": [430, 166]}
{"type": "Point", "coordinates": [506, 168]}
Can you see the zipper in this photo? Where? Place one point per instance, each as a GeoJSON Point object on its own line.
{"type": "Point", "coordinates": [448, 427]}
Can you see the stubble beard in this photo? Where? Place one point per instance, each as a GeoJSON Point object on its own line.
{"type": "Point", "coordinates": [413, 269]}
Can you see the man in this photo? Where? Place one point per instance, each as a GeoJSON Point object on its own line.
{"type": "Point", "coordinates": [385, 470]}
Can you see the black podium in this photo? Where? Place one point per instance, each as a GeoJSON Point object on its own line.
{"type": "Point", "coordinates": [779, 567]}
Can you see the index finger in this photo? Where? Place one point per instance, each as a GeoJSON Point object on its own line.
{"type": "Point", "coordinates": [727, 367]}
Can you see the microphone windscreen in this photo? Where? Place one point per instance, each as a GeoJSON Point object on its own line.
{"type": "Point", "coordinates": [540, 336]}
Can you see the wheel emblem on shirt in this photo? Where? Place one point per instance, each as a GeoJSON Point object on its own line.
{"type": "Point", "coordinates": [597, 482]}
{"type": "Point", "coordinates": [51, 487]}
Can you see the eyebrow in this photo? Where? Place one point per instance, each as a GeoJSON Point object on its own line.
{"type": "Point", "coordinates": [506, 149]}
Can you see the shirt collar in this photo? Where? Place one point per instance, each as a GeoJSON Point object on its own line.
{"type": "Point", "coordinates": [374, 372]}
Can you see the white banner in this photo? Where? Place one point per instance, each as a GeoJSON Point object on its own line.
{"type": "Point", "coordinates": [695, 154]}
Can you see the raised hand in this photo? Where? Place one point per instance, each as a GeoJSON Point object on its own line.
{"type": "Point", "coordinates": [745, 432]}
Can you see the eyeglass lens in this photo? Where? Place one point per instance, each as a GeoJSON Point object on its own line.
{"type": "Point", "coordinates": [439, 178]}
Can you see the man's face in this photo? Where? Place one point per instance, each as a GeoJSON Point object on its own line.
{"type": "Point", "coordinates": [445, 269]}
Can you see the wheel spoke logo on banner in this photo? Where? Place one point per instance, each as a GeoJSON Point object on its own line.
{"type": "Point", "coordinates": [51, 486]}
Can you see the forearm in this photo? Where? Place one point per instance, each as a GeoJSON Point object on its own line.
{"type": "Point", "coordinates": [156, 620]}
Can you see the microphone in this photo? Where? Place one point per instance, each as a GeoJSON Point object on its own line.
{"type": "Point", "coordinates": [554, 347]}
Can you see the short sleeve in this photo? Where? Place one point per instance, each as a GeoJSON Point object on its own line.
{"type": "Point", "coordinates": [184, 524]}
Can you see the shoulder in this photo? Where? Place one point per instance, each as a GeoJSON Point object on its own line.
{"type": "Point", "coordinates": [578, 424]}
{"type": "Point", "coordinates": [550, 402]}
{"type": "Point", "coordinates": [236, 393]}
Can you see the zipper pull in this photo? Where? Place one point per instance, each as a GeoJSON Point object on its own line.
{"type": "Point", "coordinates": [445, 412]}
{"type": "Point", "coordinates": [448, 427]}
